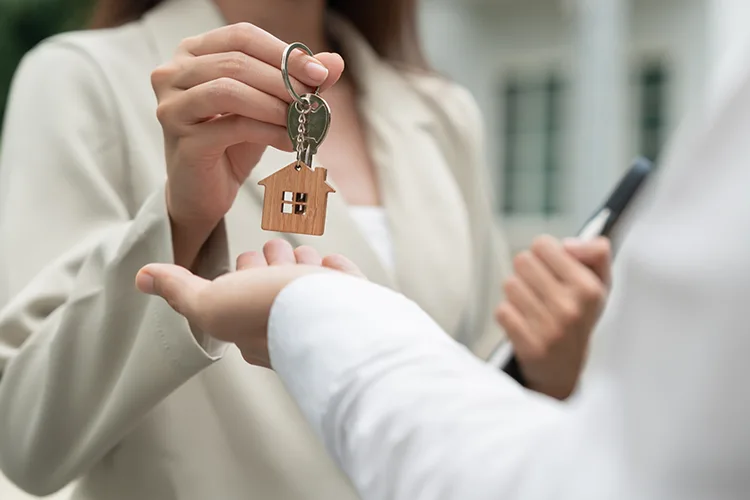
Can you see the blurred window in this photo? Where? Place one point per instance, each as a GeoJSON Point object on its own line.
{"type": "Point", "coordinates": [653, 82]}
{"type": "Point", "coordinates": [533, 148]}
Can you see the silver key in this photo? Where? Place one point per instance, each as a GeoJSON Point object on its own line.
{"type": "Point", "coordinates": [308, 122]}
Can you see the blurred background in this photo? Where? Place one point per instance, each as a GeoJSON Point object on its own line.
{"type": "Point", "coordinates": [571, 90]}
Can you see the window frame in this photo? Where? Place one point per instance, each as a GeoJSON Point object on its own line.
{"type": "Point", "coordinates": [521, 228]}
{"type": "Point", "coordinates": [639, 58]}
{"type": "Point", "coordinates": [295, 202]}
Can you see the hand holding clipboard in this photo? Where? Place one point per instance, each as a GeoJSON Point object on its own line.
{"type": "Point", "coordinates": [601, 223]}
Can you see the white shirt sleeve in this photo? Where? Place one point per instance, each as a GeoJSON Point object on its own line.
{"type": "Point", "coordinates": [386, 390]}
{"type": "Point", "coordinates": [663, 414]}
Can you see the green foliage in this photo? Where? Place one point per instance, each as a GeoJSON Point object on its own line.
{"type": "Point", "coordinates": [25, 23]}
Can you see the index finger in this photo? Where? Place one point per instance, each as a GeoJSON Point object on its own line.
{"type": "Point", "coordinates": [559, 261]}
{"type": "Point", "coordinates": [595, 254]}
{"type": "Point", "coordinates": [260, 44]}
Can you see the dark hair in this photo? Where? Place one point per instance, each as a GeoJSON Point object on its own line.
{"type": "Point", "coordinates": [390, 26]}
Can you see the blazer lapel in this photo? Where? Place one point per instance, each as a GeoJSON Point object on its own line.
{"type": "Point", "coordinates": [426, 211]}
{"type": "Point", "coordinates": [429, 226]}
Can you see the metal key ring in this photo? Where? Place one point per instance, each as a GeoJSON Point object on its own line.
{"type": "Point", "coordinates": [285, 70]}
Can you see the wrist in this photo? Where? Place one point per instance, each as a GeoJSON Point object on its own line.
{"type": "Point", "coordinates": [560, 390]}
{"type": "Point", "coordinates": [189, 234]}
{"type": "Point", "coordinates": [188, 240]}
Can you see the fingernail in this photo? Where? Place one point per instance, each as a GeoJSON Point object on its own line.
{"type": "Point", "coordinates": [145, 283]}
{"type": "Point", "coordinates": [316, 71]}
{"type": "Point", "coordinates": [572, 242]}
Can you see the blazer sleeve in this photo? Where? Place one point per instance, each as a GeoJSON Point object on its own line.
{"type": "Point", "coordinates": [83, 355]}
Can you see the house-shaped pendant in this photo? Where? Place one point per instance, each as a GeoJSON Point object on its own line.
{"type": "Point", "coordinates": [296, 200]}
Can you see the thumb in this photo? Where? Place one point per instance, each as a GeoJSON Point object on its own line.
{"type": "Point", "coordinates": [335, 65]}
{"type": "Point", "coordinates": [178, 286]}
{"type": "Point", "coordinates": [595, 254]}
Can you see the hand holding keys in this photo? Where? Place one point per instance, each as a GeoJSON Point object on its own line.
{"type": "Point", "coordinates": [221, 101]}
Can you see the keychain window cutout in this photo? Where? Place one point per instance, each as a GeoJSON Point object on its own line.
{"type": "Point", "coordinates": [303, 193]}
{"type": "Point", "coordinates": [300, 207]}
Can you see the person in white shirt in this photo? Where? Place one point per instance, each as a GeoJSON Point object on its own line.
{"type": "Point", "coordinates": [408, 414]}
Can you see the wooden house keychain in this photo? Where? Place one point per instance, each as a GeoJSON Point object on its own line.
{"type": "Point", "coordinates": [296, 197]}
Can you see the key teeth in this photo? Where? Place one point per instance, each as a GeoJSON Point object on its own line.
{"type": "Point", "coordinates": [319, 120]}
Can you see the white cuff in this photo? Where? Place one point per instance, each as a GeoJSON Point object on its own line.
{"type": "Point", "coordinates": [324, 327]}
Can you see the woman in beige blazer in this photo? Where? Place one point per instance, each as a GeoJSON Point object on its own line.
{"type": "Point", "coordinates": [108, 386]}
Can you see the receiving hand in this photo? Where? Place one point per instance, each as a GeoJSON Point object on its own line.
{"type": "Point", "coordinates": [552, 303]}
{"type": "Point", "coordinates": [235, 307]}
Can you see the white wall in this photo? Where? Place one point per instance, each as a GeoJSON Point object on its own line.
{"type": "Point", "coordinates": [679, 29]}
{"type": "Point", "coordinates": [730, 43]}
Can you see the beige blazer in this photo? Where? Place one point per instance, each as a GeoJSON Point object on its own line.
{"type": "Point", "coordinates": [107, 385]}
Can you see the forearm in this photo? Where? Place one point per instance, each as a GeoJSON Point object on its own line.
{"type": "Point", "coordinates": [188, 237]}
{"type": "Point", "coordinates": [406, 412]}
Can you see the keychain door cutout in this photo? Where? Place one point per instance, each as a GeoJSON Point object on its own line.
{"type": "Point", "coordinates": [296, 200]}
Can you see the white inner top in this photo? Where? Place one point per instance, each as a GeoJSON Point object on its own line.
{"type": "Point", "coordinates": [373, 222]}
